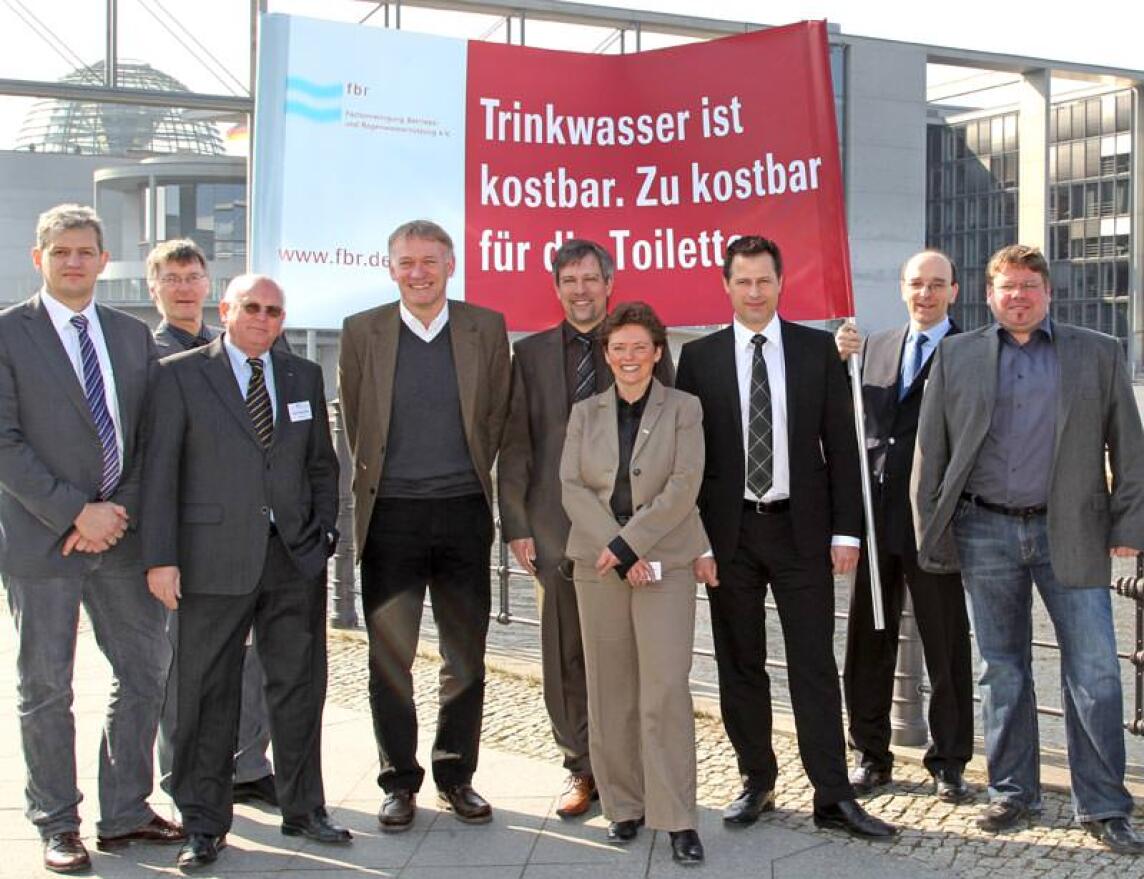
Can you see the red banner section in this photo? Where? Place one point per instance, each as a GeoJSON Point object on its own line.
{"type": "Point", "coordinates": [663, 157]}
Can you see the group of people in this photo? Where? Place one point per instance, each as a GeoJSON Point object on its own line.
{"type": "Point", "coordinates": [189, 505]}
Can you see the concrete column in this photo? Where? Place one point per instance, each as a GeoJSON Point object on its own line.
{"type": "Point", "coordinates": [1033, 179]}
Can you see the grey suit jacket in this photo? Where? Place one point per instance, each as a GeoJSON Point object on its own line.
{"type": "Point", "coordinates": [528, 471]}
{"type": "Point", "coordinates": [367, 365]}
{"type": "Point", "coordinates": [666, 470]}
{"type": "Point", "coordinates": [209, 487]}
{"type": "Point", "coordinates": [1096, 412]}
{"type": "Point", "coordinates": [51, 460]}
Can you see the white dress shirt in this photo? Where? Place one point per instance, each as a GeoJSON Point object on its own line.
{"type": "Point", "coordinates": [61, 316]}
{"type": "Point", "coordinates": [776, 377]}
{"type": "Point", "coordinates": [422, 332]}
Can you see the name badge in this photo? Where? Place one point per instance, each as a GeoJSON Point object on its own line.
{"type": "Point", "coordinates": [300, 411]}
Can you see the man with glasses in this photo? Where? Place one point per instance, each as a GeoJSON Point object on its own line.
{"type": "Point", "coordinates": [178, 280]}
{"type": "Point", "coordinates": [240, 501]}
{"type": "Point", "coordinates": [1022, 424]}
{"type": "Point", "coordinates": [895, 364]}
{"type": "Point", "coordinates": [552, 370]}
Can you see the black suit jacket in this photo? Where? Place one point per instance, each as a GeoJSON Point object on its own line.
{"type": "Point", "coordinates": [891, 431]}
{"type": "Point", "coordinates": [209, 486]}
{"type": "Point", "coordinates": [824, 469]}
{"type": "Point", "coordinates": [528, 469]}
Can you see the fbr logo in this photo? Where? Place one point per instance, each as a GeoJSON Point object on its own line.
{"type": "Point", "coordinates": [319, 102]}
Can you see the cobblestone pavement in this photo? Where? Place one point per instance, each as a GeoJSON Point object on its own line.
{"type": "Point", "coordinates": [935, 834]}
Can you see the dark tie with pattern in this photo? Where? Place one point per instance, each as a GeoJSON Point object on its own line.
{"type": "Point", "coordinates": [258, 402]}
{"type": "Point", "coordinates": [93, 389]}
{"type": "Point", "coordinates": [760, 454]}
{"type": "Point", "coordinates": [913, 364]}
{"type": "Point", "coordinates": [585, 368]}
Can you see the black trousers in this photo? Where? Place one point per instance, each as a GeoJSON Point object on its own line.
{"type": "Point", "coordinates": [804, 593]}
{"type": "Point", "coordinates": [289, 619]}
{"type": "Point", "coordinates": [442, 545]}
{"type": "Point", "coordinates": [871, 656]}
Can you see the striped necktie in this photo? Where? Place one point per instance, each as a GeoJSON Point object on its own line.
{"type": "Point", "coordinates": [96, 394]}
{"type": "Point", "coordinates": [760, 452]}
{"type": "Point", "coordinates": [258, 402]}
{"type": "Point", "coordinates": [585, 369]}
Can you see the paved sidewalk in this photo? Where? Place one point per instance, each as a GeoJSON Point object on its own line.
{"type": "Point", "coordinates": [520, 774]}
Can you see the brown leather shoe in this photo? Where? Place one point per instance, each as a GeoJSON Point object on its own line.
{"type": "Point", "coordinates": [158, 830]}
{"type": "Point", "coordinates": [397, 811]}
{"type": "Point", "coordinates": [65, 853]}
{"type": "Point", "coordinates": [576, 799]}
{"type": "Point", "coordinates": [466, 804]}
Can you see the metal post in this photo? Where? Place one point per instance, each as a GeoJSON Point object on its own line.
{"type": "Point", "coordinates": [111, 52]}
{"type": "Point", "coordinates": [907, 714]}
{"type": "Point", "coordinates": [1138, 663]}
{"type": "Point", "coordinates": [504, 615]}
{"type": "Point", "coordinates": [867, 497]}
{"type": "Point", "coordinates": [344, 613]}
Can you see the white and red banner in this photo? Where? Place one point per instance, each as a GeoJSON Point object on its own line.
{"type": "Point", "coordinates": [661, 156]}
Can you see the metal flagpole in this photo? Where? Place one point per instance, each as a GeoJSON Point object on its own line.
{"type": "Point", "coordinates": [853, 363]}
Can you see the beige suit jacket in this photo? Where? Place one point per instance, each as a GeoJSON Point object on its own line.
{"type": "Point", "coordinates": [666, 470]}
{"type": "Point", "coordinates": [367, 365]}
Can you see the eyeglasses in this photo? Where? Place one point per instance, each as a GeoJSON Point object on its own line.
{"type": "Point", "coordinates": [271, 311]}
{"type": "Point", "coordinates": [1024, 286]}
{"type": "Point", "coordinates": [176, 280]}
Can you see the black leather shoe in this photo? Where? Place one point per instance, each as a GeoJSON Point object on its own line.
{"type": "Point", "coordinates": [466, 804]}
{"type": "Point", "coordinates": [65, 853]}
{"type": "Point", "coordinates": [1002, 815]}
{"type": "Point", "coordinates": [949, 786]}
{"type": "Point", "coordinates": [397, 811]}
{"type": "Point", "coordinates": [318, 827]}
{"type": "Point", "coordinates": [200, 850]}
{"type": "Point", "coordinates": [624, 831]}
{"type": "Point", "coordinates": [157, 830]}
{"type": "Point", "coordinates": [867, 779]}
{"type": "Point", "coordinates": [261, 790]}
{"type": "Point", "coordinates": [686, 848]}
{"type": "Point", "coordinates": [1116, 834]}
{"type": "Point", "coordinates": [749, 805]}
{"type": "Point", "coordinates": [851, 818]}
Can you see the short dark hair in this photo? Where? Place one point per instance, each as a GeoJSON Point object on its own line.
{"type": "Point", "coordinates": [426, 230]}
{"type": "Point", "coordinates": [752, 245]}
{"type": "Point", "coordinates": [1021, 255]}
{"type": "Point", "coordinates": [575, 249]}
{"type": "Point", "coordinates": [930, 251]}
{"type": "Point", "coordinates": [634, 313]}
{"type": "Point", "coordinates": [177, 250]}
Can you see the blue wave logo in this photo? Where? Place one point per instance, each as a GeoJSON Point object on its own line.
{"type": "Point", "coordinates": [311, 100]}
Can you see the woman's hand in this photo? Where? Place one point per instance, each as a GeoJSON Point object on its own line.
{"type": "Point", "coordinates": [606, 562]}
{"type": "Point", "coordinates": [640, 574]}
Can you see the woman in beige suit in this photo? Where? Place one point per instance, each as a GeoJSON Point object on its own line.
{"type": "Point", "coordinates": [630, 472]}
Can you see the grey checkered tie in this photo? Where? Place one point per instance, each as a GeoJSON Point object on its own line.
{"type": "Point", "coordinates": [760, 454]}
{"type": "Point", "coordinates": [585, 369]}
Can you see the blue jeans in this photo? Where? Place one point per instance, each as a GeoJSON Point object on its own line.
{"type": "Point", "coordinates": [1001, 557]}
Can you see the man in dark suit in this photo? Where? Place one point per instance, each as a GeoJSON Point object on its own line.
{"type": "Point", "coordinates": [1029, 469]}
{"type": "Point", "coordinates": [552, 370]}
{"type": "Point", "coordinates": [73, 384]}
{"type": "Point", "coordinates": [895, 364]}
{"type": "Point", "coordinates": [179, 281]}
{"type": "Point", "coordinates": [240, 497]}
{"type": "Point", "coordinates": [424, 386]}
{"type": "Point", "coordinates": [781, 504]}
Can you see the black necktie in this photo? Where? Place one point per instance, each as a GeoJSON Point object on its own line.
{"type": "Point", "coordinates": [258, 403]}
{"type": "Point", "coordinates": [585, 369]}
{"type": "Point", "coordinates": [760, 454]}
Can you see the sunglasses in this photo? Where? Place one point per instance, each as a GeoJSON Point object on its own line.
{"type": "Point", "coordinates": [271, 311]}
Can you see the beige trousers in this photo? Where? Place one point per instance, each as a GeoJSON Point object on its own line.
{"type": "Point", "coordinates": [641, 729]}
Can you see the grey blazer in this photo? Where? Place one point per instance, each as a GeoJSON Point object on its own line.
{"type": "Point", "coordinates": [666, 470]}
{"type": "Point", "coordinates": [209, 487]}
{"type": "Point", "coordinates": [51, 460]}
{"type": "Point", "coordinates": [1096, 412]}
